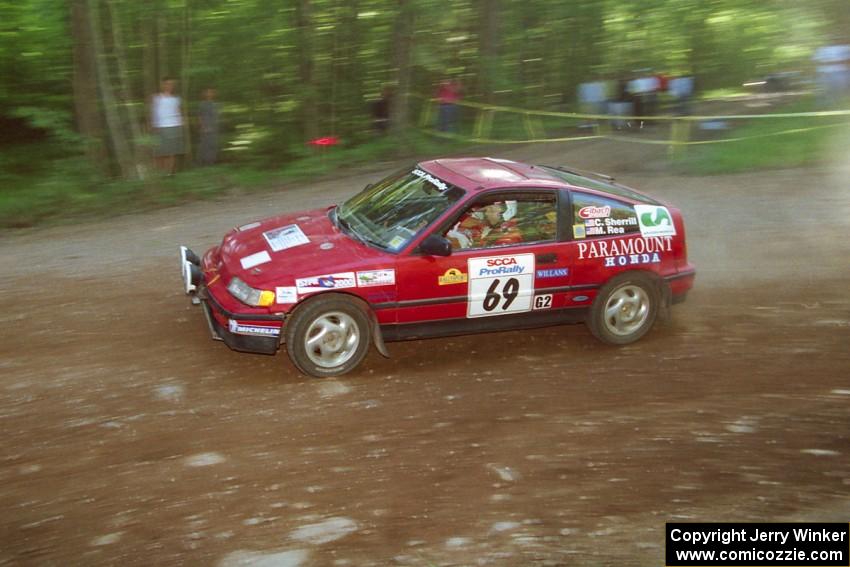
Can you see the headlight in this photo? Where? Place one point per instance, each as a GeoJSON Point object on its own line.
{"type": "Point", "coordinates": [248, 295]}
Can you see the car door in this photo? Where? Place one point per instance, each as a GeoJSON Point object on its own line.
{"type": "Point", "coordinates": [502, 270]}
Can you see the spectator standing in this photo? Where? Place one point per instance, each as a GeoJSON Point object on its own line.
{"type": "Point", "coordinates": [448, 95]}
{"type": "Point", "coordinates": [833, 71]}
{"type": "Point", "coordinates": [167, 125]}
{"type": "Point", "coordinates": [593, 97]}
{"type": "Point", "coordinates": [208, 136]}
{"type": "Point", "coordinates": [681, 89]}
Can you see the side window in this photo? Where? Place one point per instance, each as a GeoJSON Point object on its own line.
{"type": "Point", "coordinates": [595, 216]}
{"type": "Point", "coordinates": [505, 221]}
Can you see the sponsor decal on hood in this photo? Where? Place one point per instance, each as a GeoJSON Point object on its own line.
{"type": "Point", "coordinates": [285, 237]}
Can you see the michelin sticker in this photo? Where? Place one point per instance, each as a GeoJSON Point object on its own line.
{"type": "Point", "coordinates": [285, 237]}
{"type": "Point", "coordinates": [655, 221]}
{"type": "Point", "coordinates": [249, 262]}
{"type": "Point", "coordinates": [500, 285]}
{"type": "Point", "coordinates": [375, 278]}
{"type": "Point", "coordinates": [256, 330]}
{"type": "Point", "coordinates": [286, 295]}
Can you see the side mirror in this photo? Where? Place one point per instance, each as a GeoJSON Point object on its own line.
{"type": "Point", "coordinates": [434, 245]}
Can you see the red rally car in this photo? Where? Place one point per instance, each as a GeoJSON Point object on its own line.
{"type": "Point", "coordinates": [447, 247]}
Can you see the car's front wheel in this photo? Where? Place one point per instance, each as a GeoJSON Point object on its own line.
{"type": "Point", "coordinates": [328, 335]}
{"type": "Point", "coordinates": [625, 309]}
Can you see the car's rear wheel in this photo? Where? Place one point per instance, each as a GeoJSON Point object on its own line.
{"type": "Point", "coordinates": [625, 309]}
{"type": "Point", "coordinates": [328, 335]}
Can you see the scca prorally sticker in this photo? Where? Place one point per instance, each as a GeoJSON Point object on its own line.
{"type": "Point", "coordinates": [249, 262]}
{"type": "Point", "coordinates": [327, 281]}
{"type": "Point", "coordinates": [655, 220]}
{"type": "Point", "coordinates": [255, 330]}
{"type": "Point", "coordinates": [285, 237]}
{"type": "Point", "coordinates": [286, 294]}
{"type": "Point", "coordinates": [430, 179]}
{"type": "Point", "coordinates": [500, 285]}
{"type": "Point", "coordinates": [374, 278]}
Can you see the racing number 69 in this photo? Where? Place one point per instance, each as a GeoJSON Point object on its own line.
{"type": "Point", "coordinates": [509, 292]}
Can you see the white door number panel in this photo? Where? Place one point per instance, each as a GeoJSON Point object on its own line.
{"type": "Point", "coordinates": [500, 285]}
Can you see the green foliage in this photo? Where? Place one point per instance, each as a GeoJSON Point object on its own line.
{"type": "Point", "coordinates": [770, 144]}
{"type": "Point", "coordinates": [529, 54]}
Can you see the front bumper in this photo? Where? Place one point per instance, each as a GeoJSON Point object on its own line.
{"type": "Point", "coordinates": [244, 333]}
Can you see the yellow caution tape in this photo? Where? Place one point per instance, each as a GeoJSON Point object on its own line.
{"type": "Point", "coordinates": [680, 125]}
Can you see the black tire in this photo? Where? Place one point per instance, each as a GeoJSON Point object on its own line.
{"type": "Point", "coordinates": [343, 323]}
{"type": "Point", "coordinates": [624, 309]}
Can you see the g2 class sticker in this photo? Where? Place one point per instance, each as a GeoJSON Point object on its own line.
{"type": "Point", "coordinates": [375, 278]}
{"type": "Point", "coordinates": [249, 262]}
{"type": "Point", "coordinates": [327, 281]}
{"type": "Point", "coordinates": [655, 220]}
{"type": "Point", "coordinates": [500, 285]}
{"type": "Point", "coordinates": [543, 301]}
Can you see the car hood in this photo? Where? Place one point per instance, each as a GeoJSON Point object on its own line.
{"type": "Point", "coordinates": [246, 251]}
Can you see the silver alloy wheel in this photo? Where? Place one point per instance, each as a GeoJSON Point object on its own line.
{"type": "Point", "coordinates": [627, 310]}
{"type": "Point", "coordinates": [332, 339]}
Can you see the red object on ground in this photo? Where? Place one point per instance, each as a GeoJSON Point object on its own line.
{"type": "Point", "coordinates": [325, 141]}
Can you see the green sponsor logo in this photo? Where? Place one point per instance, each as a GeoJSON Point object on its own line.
{"type": "Point", "coordinates": [660, 217]}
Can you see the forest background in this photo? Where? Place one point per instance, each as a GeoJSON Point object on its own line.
{"type": "Point", "coordinates": [77, 76]}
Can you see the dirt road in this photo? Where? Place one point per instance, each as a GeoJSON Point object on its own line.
{"type": "Point", "coordinates": [129, 437]}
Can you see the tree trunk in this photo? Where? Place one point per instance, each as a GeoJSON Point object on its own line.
{"type": "Point", "coordinates": [89, 124]}
{"type": "Point", "coordinates": [124, 82]}
{"type": "Point", "coordinates": [150, 71]}
{"type": "Point", "coordinates": [184, 76]}
{"type": "Point", "coordinates": [403, 56]}
{"type": "Point", "coordinates": [117, 140]}
{"type": "Point", "coordinates": [488, 47]}
{"type": "Point", "coordinates": [307, 91]}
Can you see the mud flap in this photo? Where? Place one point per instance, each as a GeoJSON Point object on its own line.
{"type": "Point", "coordinates": [665, 303]}
{"type": "Point", "coordinates": [377, 336]}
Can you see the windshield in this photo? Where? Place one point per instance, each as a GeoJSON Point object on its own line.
{"type": "Point", "coordinates": [390, 213]}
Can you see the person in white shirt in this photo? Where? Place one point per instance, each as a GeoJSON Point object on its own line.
{"type": "Point", "coordinates": [167, 124]}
